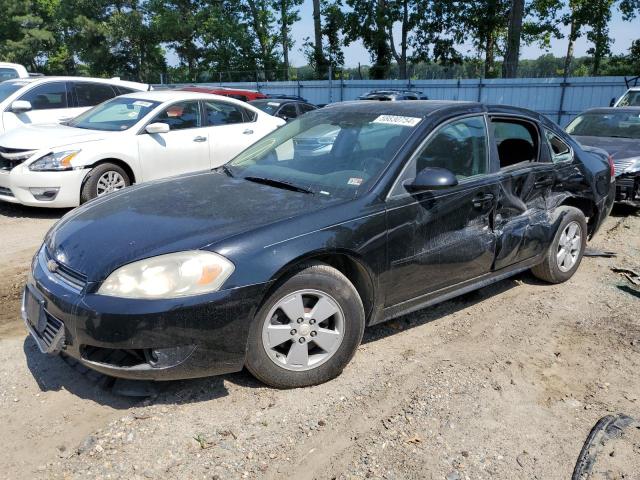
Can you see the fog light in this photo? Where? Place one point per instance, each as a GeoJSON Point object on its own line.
{"type": "Point", "coordinates": [44, 193]}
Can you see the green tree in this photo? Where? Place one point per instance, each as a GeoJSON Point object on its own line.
{"type": "Point", "coordinates": [288, 14]}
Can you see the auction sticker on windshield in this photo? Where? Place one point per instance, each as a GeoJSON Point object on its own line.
{"type": "Point", "coordinates": [397, 120]}
{"type": "Point", "coordinates": [141, 103]}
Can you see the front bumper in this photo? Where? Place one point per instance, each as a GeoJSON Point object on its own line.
{"type": "Point", "coordinates": [146, 339]}
{"type": "Point", "coordinates": [15, 186]}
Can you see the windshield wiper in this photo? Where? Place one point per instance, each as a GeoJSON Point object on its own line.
{"type": "Point", "coordinates": [279, 184]}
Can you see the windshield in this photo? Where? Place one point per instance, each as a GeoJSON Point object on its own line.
{"type": "Point", "coordinates": [330, 152]}
{"type": "Point", "coordinates": [630, 99]}
{"type": "Point", "coordinates": [115, 115]}
{"type": "Point", "coordinates": [623, 124]}
{"type": "Point", "coordinates": [266, 106]}
{"type": "Point", "coordinates": [8, 88]}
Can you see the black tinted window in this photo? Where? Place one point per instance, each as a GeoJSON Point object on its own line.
{"type": "Point", "coordinates": [91, 94]}
{"type": "Point", "coordinates": [289, 110]}
{"type": "Point", "coordinates": [124, 90]}
{"type": "Point", "coordinates": [47, 96]}
{"type": "Point", "coordinates": [221, 113]}
{"type": "Point", "coordinates": [460, 146]}
{"type": "Point", "coordinates": [181, 115]}
{"type": "Point", "coordinates": [305, 107]}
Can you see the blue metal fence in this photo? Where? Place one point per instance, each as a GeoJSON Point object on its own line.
{"type": "Point", "coordinates": [560, 100]}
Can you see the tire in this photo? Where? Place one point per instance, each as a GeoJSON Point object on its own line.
{"type": "Point", "coordinates": [551, 269]}
{"type": "Point", "coordinates": [273, 359]}
{"type": "Point", "coordinates": [90, 186]}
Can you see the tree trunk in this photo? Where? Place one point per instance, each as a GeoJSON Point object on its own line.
{"type": "Point", "coordinates": [569, 57]}
{"type": "Point", "coordinates": [512, 55]}
{"type": "Point", "coordinates": [284, 36]}
{"type": "Point", "coordinates": [489, 57]}
{"type": "Point", "coordinates": [317, 29]}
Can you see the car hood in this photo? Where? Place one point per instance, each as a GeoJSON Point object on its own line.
{"type": "Point", "coordinates": [53, 135]}
{"type": "Point", "coordinates": [624, 151]}
{"type": "Point", "coordinates": [184, 213]}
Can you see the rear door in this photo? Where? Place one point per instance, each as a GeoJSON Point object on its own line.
{"type": "Point", "coordinates": [442, 237]}
{"type": "Point", "coordinates": [50, 103]}
{"type": "Point", "coordinates": [231, 128]}
{"type": "Point", "coordinates": [185, 148]}
{"type": "Point", "coordinates": [526, 178]}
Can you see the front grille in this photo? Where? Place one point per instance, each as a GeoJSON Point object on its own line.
{"type": "Point", "coordinates": [66, 275]}
{"type": "Point", "coordinates": [6, 192]}
{"type": "Point", "coordinates": [622, 164]}
{"type": "Point", "coordinates": [12, 157]}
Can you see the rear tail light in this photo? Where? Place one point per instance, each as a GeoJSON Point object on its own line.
{"type": "Point", "coordinates": [612, 166]}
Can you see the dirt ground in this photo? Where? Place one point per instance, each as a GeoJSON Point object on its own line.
{"type": "Point", "coordinates": [502, 383]}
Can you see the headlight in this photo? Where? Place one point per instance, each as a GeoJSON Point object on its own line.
{"type": "Point", "coordinates": [55, 161]}
{"type": "Point", "coordinates": [174, 275]}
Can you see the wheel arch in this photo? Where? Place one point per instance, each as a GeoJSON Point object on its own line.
{"type": "Point", "coordinates": [587, 206]}
{"type": "Point", "coordinates": [348, 263]}
{"type": "Point", "coordinates": [116, 161]}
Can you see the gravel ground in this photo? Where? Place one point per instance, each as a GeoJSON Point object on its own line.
{"type": "Point", "coordinates": [502, 383]}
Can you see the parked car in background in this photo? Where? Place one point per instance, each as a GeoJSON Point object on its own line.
{"type": "Point", "coordinates": [393, 95]}
{"type": "Point", "coordinates": [616, 130]}
{"type": "Point", "coordinates": [631, 98]}
{"type": "Point", "coordinates": [283, 108]}
{"type": "Point", "coordinates": [237, 93]}
{"type": "Point", "coordinates": [129, 139]}
{"type": "Point", "coordinates": [286, 96]}
{"type": "Point", "coordinates": [277, 261]}
{"type": "Point", "coordinates": [55, 99]}
{"type": "Point", "coordinates": [9, 71]}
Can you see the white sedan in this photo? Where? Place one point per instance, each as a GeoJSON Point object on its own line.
{"type": "Point", "coordinates": [130, 139]}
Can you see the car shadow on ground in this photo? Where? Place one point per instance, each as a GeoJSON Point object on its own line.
{"type": "Point", "coordinates": [57, 373]}
{"type": "Point", "coordinates": [13, 210]}
{"type": "Point", "coordinates": [625, 210]}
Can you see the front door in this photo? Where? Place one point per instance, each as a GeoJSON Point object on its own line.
{"type": "Point", "coordinates": [442, 237]}
{"type": "Point", "coordinates": [50, 103]}
{"type": "Point", "coordinates": [185, 148]}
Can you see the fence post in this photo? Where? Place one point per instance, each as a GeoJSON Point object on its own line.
{"type": "Point", "coordinates": [563, 87]}
{"type": "Point", "coordinates": [342, 86]}
{"type": "Point", "coordinates": [480, 85]}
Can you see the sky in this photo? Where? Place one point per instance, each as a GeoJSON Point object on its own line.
{"type": "Point", "coordinates": [623, 33]}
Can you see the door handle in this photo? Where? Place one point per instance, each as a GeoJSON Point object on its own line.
{"type": "Point", "coordinates": [248, 131]}
{"type": "Point", "coordinates": [200, 139]}
{"type": "Point", "coordinates": [545, 182]}
{"type": "Point", "coordinates": [481, 199]}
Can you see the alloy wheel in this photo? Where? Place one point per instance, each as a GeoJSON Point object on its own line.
{"type": "Point", "coordinates": [110, 182]}
{"type": "Point", "coordinates": [569, 247]}
{"type": "Point", "coordinates": [303, 330]}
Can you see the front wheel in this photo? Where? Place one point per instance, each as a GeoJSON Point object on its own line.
{"type": "Point", "coordinates": [104, 179]}
{"type": "Point", "coordinates": [565, 252]}
{"type": "Point", "coordinates": [307, 331]}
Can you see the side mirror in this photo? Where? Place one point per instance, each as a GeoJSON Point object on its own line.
{"type": "Point", "coordinates": [432, 178]}
{"type": "Point", "coordinates": [612, 103]}
{"type": "Point", "coordinates": [20, 106]}
{"type": "Point", "coordinates": [157, 128]}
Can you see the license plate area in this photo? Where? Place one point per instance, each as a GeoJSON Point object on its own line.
{"type": "Point", "coordinates": [46, 330]}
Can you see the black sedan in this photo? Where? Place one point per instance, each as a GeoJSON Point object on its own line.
{"type": "Point", "coordinates": [284, 108]}
{"type": "Point", "coordinates": [616, 130]}
{"type": "Point", "coordinates": [278, 260]}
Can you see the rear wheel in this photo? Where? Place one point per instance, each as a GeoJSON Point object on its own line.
{"type": "Point", "coordinates": [565, 252]}
{"type": "Point", "coordinates": [103, 179]}
{"type": "Point", "coordinates": [308, 329]}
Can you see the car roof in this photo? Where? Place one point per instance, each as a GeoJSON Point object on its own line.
{"type": "Point", "coordinates": [279, 101]}
{"type": "Point", "coordinates": [110, 81]}
{"type": "Point", "coordinates": [172, 95]}
{"type": "Point", "coordinates": [416, 108]}
{"type": "Point", "coordinates": [605, 110]}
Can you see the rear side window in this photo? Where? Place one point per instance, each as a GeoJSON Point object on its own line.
{"type": "Point", "coordinates": [517, 141]}
{"type": "Point", "coordinates": [91, 94]}
{"type": "Point", "coordinates": [7, 74]}
{"type": "Point", "coordinates": [47, 96]}
{"type": "Point", "coordinates": [221, 113]}
{"type": "Point", "coordinates": [560, 151]}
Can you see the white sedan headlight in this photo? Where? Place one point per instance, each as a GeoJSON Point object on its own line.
{"type": "Point", "coordinates": [54, 161]}
{"type": "Point", "coordinates": [173, 275]}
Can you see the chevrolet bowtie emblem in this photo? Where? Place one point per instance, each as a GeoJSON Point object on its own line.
{"type": "Point", "coordinates": [52, 265]}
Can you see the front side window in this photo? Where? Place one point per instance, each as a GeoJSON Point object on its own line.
{"type": "Point", "coordinates": [331, 152]}
{"type": "Point", "coordinates": [560, 151]}
{"type": "Point", "coordinates": [47, 96]}
{"type": "Point", "coordinates": [91, 94]}
{"type": "Point", "coordinates": [630, 99]}
{"type": "Point", "coordinates": [118, 114]}
{"type": "Point", "coordinates": [288, 111]}
{"type": "Point", "coordinates": [181, 115]}
{"type": "Point", "coordinates": [221, 113]}
{"type": "Point", "coordinates": [610, 124]}
{"type": "Point", "coordinates": [460, 147]}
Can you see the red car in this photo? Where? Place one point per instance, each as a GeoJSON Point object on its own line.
{"type": "Point", "coordinates": [237, 93]}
